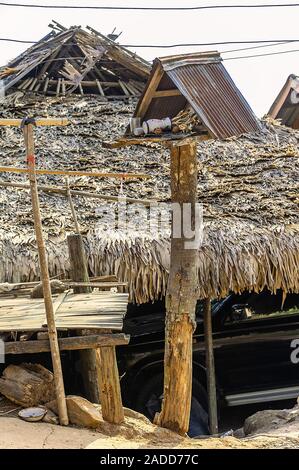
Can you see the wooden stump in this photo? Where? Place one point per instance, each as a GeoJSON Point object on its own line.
{"type": "Point", "coordinates": [181, 299]}
{"type": "Point", "coordinates": [27, 384]}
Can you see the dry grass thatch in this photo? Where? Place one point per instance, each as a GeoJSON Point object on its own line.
{"type": "Point", "coordinates": [248, 187]}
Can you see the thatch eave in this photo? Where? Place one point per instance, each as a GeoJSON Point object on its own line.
{"type": "Point", "coordinates": [248, 186]}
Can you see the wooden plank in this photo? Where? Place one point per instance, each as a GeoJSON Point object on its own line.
{"type": "Point", "coordinates": [101, 285]}
{"type": "Point", "coordinates": [7, 169]}
{"type": "Point", "coordinates": [165, 93]}
{"type": "Point", "coordinates": [67, 344]}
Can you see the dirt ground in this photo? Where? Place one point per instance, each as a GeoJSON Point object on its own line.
{"type": "Point", "coordinates": [134, 434]}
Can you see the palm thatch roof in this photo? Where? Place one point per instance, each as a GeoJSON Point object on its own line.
{"type": "Point", "coordinates": [247, 185]}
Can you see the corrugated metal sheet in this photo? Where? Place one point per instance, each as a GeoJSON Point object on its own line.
{"type": "Point", "coordinates": [213, 95]}
{"type": "Point", "coordinates": [206, 85]}
{"type": "Point", "coordinates": [286, 105]}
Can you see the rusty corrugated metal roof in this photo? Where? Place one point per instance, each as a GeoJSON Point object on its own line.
{"type": "Point", "coordinates": [286, 105]}
{"type": "Point", "coordinates": [202, 79]}
{"type": "Point", "coordinates": [208, 87]}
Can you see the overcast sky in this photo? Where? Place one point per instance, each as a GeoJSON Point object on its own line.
{"type": "Point", "coordinates": [259, 79]}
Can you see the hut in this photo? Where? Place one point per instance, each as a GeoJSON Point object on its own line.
{"type": "Point", "coordinates": [248, 185]}
{"type": "Point", "coordinates": [73, 60]}
{"type": "Point", "coordinates": [286, 105]}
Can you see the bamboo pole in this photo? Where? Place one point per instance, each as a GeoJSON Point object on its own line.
{"type": "Point", "coordinates": [57, 369]}
{"type": "Point", "coordinates": [74, 192]}
{"type": "Point", "coordinates": [8, 169]}
{"type": "Point", "coordinates": [210, 367]}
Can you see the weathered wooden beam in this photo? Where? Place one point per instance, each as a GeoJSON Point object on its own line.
{"type": "Point", "coordinates": [149, 93]}
{"type": "Point", "coordinates": [67, 344]}
{"type": "Point", "coordinates": [110, 393]}
{"type": "Point", "coordinates": [165, 93]}
{"type": "Point", "coordinates": [210, 367]}
{"type": "Point", "coordinates": [38, 122]}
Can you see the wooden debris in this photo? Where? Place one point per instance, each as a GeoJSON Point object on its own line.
{"type": "Point", "coordinates": [27, 384]}
{"type": "Point", "coordinates": [63, 60]}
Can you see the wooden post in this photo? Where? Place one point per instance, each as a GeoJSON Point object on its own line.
{"type": "Point", "coordinates": [74, 215]}
{"type": "Point", "coordinates": [210, 367]}
{"type": "Point", "coordinates": [99, 367]}
{"type": "Point", "coordinates": [79, 273]}
{"type": "Point", "coordinates": [181, 299]}
{"type": "Point", "coordinates": [112, 407]}
{"type": "Point", "coordinates": [57, 369]}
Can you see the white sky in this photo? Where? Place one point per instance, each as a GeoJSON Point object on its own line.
{"type": "Point", "coordinates": [259, 79]}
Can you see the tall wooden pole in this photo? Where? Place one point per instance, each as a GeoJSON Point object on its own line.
{"type": "Point", "coordinates": [210, 367]}
{"type": "Point", "coordinates": [181, 299]}
{"type": "Point", "coordinates": [43, 264]}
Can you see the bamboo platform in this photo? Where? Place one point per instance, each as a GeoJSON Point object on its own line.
{"type": "Point", "coordinates": [97, 310]}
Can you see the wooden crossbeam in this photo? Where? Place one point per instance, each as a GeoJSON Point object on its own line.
{"type": "Point", "coordinates": [38, 122]}
{"type": "Point", "coordinates": [67, 344]}
{"type": "Point", "coordinates": [166, 93]}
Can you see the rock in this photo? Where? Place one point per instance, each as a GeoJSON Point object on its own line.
{"type": "Point", "coordinates": [27, 385]}
{"type": "Point", "coordinates": [50, 418]}
{"type": "Point", "coordinates": [239, 433]}
{"type": "Point", "coordinates": [57, 287]}
{"type": "Point", "coordinates": [265, 420]}
{"type": "Point", "coordinates": [134, 414]}
{"type": "Point", "coordinates": [81, 412]}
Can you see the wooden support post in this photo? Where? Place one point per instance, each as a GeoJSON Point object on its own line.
{"type": "Point", "coordinates": [79, 271]}
{"type": "Point", "coordinates": [57, 369]}
{"type": "Point", "coordinates": [99, 367]}
{"type": "Point", "coordinates": [181, 297]}
{"type": "Point", "coordinates": [88, 358]}
{"type": "Point", "coordinates": [210, 367]}
{"type": "Point", "coordinates": [110, 394]}
{"type": "Point", "coordinates": [74, 215]}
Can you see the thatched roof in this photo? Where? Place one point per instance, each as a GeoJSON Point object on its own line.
{"type": "Point", "coordinates": [248, 186]}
